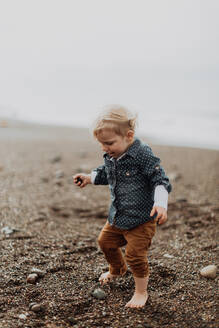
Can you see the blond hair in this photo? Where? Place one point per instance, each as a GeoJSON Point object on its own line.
{"type": "Point", "coordinates": [116, 118]}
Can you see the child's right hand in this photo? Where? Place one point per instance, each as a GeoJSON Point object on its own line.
{"type": "Point", "coordinates": [81, 180]}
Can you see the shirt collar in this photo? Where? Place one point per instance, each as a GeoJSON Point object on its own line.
{"type": "Point", "coordinates": [131, 151]}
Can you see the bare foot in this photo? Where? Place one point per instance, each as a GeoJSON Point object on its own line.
{"type": "Point", "coordinates": [106, 277]}
{"type": "Point", "coordinates": [138, 300]}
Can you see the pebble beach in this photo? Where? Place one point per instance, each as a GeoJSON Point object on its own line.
{"type": "Point", "coordinates": [50, 260]}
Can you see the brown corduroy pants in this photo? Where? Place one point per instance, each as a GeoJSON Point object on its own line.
{"type": "Point", "coordinates": [137, 242]}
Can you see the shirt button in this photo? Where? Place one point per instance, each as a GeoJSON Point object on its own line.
{"type": "Point", "coordinates": [127, 173]}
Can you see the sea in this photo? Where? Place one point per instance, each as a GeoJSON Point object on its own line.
{"type": "Point", "coordinates": [194, 129]}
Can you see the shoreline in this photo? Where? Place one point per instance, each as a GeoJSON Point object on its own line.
{"type": "Point", "coordinates": [15, 128]}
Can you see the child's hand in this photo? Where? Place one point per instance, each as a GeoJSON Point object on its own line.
{"type": "Point", "coordinates": [161, 214]}
{"type": "Point", "coordinates": [81, 180]}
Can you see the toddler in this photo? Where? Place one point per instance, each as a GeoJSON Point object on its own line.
{"type": "Point", "coordinates": [139, 195]}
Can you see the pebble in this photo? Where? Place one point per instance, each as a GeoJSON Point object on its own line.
{"type": "Point", "coordinates": [32, 278]}
{"type": "Point", "coordinates": [59, 174]}
{"type": "Point", "coordinates": [39, 272]}
{"type": "Point", "coordinates": [56, 159]}
{"type": "Point", "coordinates": [168, 256]}
{"type": "Point", "coordinates": [35, 307]}
{"type": "Point", "coordinates": [8, 230]}
{"type": "Point", "coordinates": [209, 271]}
{"type": "Point", "coordinates": [174, 176]}
{"type": "Point", "coordinates": [22, 317]}
{"type": "Point", "coordinates": [72, 320]}
{"type": "Point", "coordinates": [99, 294]}
{"type": "Point", "coordinates": [181, 200]}
{"type": "Point", "coordinates": [45, 179]}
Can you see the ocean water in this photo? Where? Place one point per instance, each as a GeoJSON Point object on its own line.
{"type": "Point", "coordinates": [200, 131]}
{"type": "Point", "coordinates": [190, 129]}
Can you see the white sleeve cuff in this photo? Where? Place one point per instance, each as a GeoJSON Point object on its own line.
{"type": "Point", "coordinates": [93, 176]}
{"type": "Point", "coordinates": [160, 196]}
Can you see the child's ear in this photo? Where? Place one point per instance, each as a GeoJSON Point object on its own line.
{"type": "Point", "coordinates": [130, 134]}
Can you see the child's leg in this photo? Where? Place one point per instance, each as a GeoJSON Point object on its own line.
{"type": "Point", "coordinates": [138, 243]}
{"type": "Point", "coordinates": [110, 241]}
{"type": "Point", "coordinates": [140, 296]}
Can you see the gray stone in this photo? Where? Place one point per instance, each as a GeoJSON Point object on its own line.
{"type": "Point", "coordinates": [39, 272]}
{"type": "Point", "coordinates": [99, 294]}
{"type": "Point", "coordinates": [8, 230]}
{"type": "Point", "coordinates": [59, 174]}
{"type": "Point", "coordinates": [168, 256]}
{"type": "Point", "coordinates": [22, 317]}
{"type": "Point", "coordinates": [56, 159]}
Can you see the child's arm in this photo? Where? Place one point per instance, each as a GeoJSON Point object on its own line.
{"type": "Point", "coordinates": [81, 179]}
{"type": "Point", "coordinates": [159, 184]}
{"type": "Point", "coordinates": [160, 204]}
{"type": "Point", "coordinates": [161, 214]}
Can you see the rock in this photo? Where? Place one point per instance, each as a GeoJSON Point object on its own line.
{"type": "Point", "coordinates": [56, 159]}
{"type": "Point", "coordinates": [168, 256]}
{"type": "Point", "coordinates": [209, 271]}
{"type": "Point", "coordinates": [8, 230]}
{"type": "Point", "coordinates": [174, 176]}
{"type": "Point", "coordinates": [59, 174]}
{"type": "Point", "coordinates": [59, 183]}
{"type": "Point", "coordinates": [39, 272]}
{"type": "Point", "coordinates": [35, 307]}
{"type": "Point", "coordinates": [44, 179]}
{"type": "Point", "coordinates": [22, 317]}
{"type": "Point", "coordinates": [55, 208]}
{"type": "Point", "coordinates": [65, 214]}
{"type": "Point", "coordinates": [32, 278]}
{"type": "Point", "coordinates": [182, 200]}
{"type": "Point", "coordinates": [99, 294]}
{"type": "Point", "coordinates": [72, 320]}
{"type": "Point", "coordinates": [32, 304]}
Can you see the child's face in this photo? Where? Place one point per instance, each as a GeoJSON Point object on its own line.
{"type": "Point", "coordinates": [114, 144]}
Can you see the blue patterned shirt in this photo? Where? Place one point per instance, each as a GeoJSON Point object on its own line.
{"type": "Point", "coordinates": [132, 180]}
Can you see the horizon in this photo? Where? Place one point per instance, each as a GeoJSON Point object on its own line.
{"type": "Point", "coordinates": [5, 124]}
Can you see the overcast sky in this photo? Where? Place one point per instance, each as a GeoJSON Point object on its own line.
{"type": "Point", "coordinates": [61, 60]}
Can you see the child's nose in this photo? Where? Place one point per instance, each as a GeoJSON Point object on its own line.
{"type": "Point", "coordinates": [105, 148]}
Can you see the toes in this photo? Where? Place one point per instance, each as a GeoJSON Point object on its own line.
{"type": "Point", "coordinates": [129, 304]}
{"type": "Point", "coordinates": [103, 281]}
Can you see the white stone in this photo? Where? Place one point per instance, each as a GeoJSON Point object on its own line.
{"type": "Point", "coordinates": [8, 230]}
{"type": "Point", "coordinates": [22, 316]}
{"type": "Point", "coordinates": [39, 272]}
{"type": "Point", "coordinates": [209, 271]}
{"type": "Point", "coordinates": [168, 256]}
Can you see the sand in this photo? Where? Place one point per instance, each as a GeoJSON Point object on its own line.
{"type": "Point", "coordinates": [56, 226]}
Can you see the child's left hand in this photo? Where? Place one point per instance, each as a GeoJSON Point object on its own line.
{"type": "Point", "coordinates": [161, 214]}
